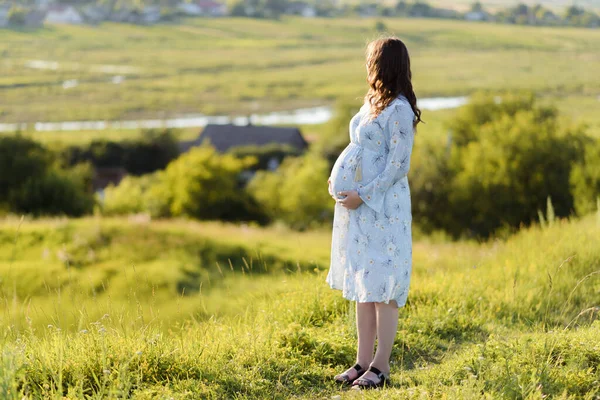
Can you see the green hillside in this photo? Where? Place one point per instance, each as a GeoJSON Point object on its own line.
{"type": "Point", "coordinates": [95, 306]}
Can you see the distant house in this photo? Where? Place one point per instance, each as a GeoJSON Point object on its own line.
{"type": "Point", "coordinates": [301, 8]}
{"type": "Point", "coordinates": [94, 14]}
{"type": "Point", "coordinates": [35, 18]}
{"type": "Point", "coordinates": [227, 137]}
{"type": "Point", "coordinates": [4, 9]}
{"type": "Point", "coordinates": [191, 9]}
{"type": "Point", "coordinates": [61, 14]}
{"type": "Point", "coordinates": [150, 15]}
{"type": "Point", "coordinates": [43, 4]}
{"type": "Point", "coordinates": [446, 13]}
{"type": "Point", "coordinates": [123, 15]}
{"type": "Point", "coordinates": [550, 18]}
{"type": "Point", "coordinates": [212, 8]}
{"type": "Point", "coordinates": [367, 11]}
{"type": "Point", "coordinates": [477, 16]}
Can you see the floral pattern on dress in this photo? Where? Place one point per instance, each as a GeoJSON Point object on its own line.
{"type": "Point", "coordinates": [371, 249]}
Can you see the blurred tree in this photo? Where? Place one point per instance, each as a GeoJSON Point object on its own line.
{"type": "Point", "coordinates": [296, 193]}
{"type": "Point", "coordinates": [380, 26]}
{"type": "Point", "coordinates": [20, 159]}
{"type": "Point", "coordinates": [31, 182]}
{"type": "Point", "coordinates": [420, 9]}
{"type": "Point", "coordinates": [585, 179]}
{"type": "Point", "coordinates": [508, 154]}
{"type": "Point", "coordinates": [204, 184]}
{"type": "Point", "coordinates": [151, 152]}
{"type": "Point", "coordinates": [57, 192]}
{"type": "Point", "coordinates": [336, 136]}
{"type": "Point", "coordinates": [477, 7]}
{"type": "Point", "coordinates": [16, 16]}
{"type": "Point", "coordinates": [401, 7]}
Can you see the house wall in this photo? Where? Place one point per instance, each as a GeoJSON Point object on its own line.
{"type": "Point", "coordinates": [68, 16]}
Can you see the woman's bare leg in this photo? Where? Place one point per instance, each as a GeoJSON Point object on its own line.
{"type": "Point", "coordinates": [387, 326]}
{"type": "Point", "coordinates": [366, 325]}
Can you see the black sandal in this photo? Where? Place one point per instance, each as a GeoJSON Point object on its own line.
{"type": "Point", "coordinates": [364, 383]}
{"type": "Point", "coordinates": [345, 379]}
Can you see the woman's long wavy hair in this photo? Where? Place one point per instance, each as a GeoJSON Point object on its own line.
{"type": "Point", "coordinates": [389, 75]}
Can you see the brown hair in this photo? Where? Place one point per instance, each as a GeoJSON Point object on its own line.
{"type": "Point", "coordinates": [389, 75]}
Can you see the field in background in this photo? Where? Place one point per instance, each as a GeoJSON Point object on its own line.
{"type": "Point", "coordinates": [97, 304]}
{"type": "Point", "coordinates": [556, 5]}
{"type": "Point", "coordinates": [463, 5]}
{"type": "Point", "coordinates": [237, 66]}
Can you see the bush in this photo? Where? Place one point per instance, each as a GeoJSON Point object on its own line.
{"type": "Point", "coordinates": [201, 184]}
{"type": "Point", "coordinates": [430, 186]}
{"type": "Point", "coordinates": [31, 183]}
{"type": "Point", "coordinates": [134, 195]}
{"type": "Point", "coordinates": [152, 152]}
{"type": "Point", "coordinates": [336, 135]}
{"type": "Point", "coordinates": [296, 193]}
{"type": "Point", "coordinates": [16, 16]}
{"type": "Point", "coordinates": [57, 192]}
{"type": "Point", "coordinates": [264, 154]}
{"type": "Point", "coordinates": [20, 159]}
{"type": "Point", "coordinates": [585, 179]}
{"type": "Point", "coordinates": [508, 155]}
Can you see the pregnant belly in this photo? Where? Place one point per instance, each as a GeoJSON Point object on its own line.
{"type": "Point", "coordinates": [343, 172]}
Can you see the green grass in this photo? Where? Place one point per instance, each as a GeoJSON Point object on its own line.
{"type": "Point", "coordinates": [504, 319]}
{"type": "Point", "coordinates": [241, 65]}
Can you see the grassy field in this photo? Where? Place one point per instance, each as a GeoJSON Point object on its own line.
{"type": "Point", "coordinates": [463, 5]}
{"type": "Point", "coordinates": [224, 66]}
{"type": "Point", "coordinates": [557, 5]}
{"type": "Point", "coordinates": [96, 308]}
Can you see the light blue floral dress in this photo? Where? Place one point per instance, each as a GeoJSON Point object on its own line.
{"type": "Point", "coordinates": [371, 250]}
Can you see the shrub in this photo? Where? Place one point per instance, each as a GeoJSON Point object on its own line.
{"type": "Point", "coordinates": [152, 152]}
{"type": "Point", "coordinates": [201, 184]}
{"type": "Point", "coordinates": [585, 179]}
{"type": "Point", "coordinates": [134, 195]}
{"type": "Point", "coordinates": [336, 136]}
{"type": "Point", "coordinates": [296, 193]}
{"type": "Point", "coordinates": [30, 183]}
{"type": "Point", "coordinates": [430, 186]}
{"type": "Point", "coordinates": [264, 154]}
{"type": "Point", "coordinates": [16, 16]}
{"type": "Point", "coordinates": [57, 192]}
{"type": "Point", "coordinates": [20, 159]}
{"type": "Point", "coordinates": [508, 155]}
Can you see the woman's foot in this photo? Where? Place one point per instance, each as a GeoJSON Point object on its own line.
{"type": "Point", "coordinates": [350, 375]}
{"type": "Point", "coordinates": [372, 378]}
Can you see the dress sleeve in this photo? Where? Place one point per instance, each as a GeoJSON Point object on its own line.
{"type": "Point", "coordinates": [400, 138]}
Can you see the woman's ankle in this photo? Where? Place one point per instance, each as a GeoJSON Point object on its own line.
{"type": "Point", "coordinates": [383, 367]}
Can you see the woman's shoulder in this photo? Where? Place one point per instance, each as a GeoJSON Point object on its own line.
{"type": "Point", "coordinates": [400, 103]}
{"type": "Point", "coordinates": [399, 108]}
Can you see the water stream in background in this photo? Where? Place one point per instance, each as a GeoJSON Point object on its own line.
{"type": "Point", "coordinates": [301, 116]}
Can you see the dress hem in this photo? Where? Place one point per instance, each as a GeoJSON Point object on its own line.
{"type": "Point", "coordinates": [355, 298]}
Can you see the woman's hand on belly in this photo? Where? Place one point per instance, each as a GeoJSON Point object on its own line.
{"type": "Point", "coordinates": [352, 201]}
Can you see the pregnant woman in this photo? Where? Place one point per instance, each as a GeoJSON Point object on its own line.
{"type": "Point", "coordinates": [372, 245]}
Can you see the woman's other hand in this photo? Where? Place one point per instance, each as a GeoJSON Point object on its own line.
{"type": "Point", "coordinates": [352, 200]}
